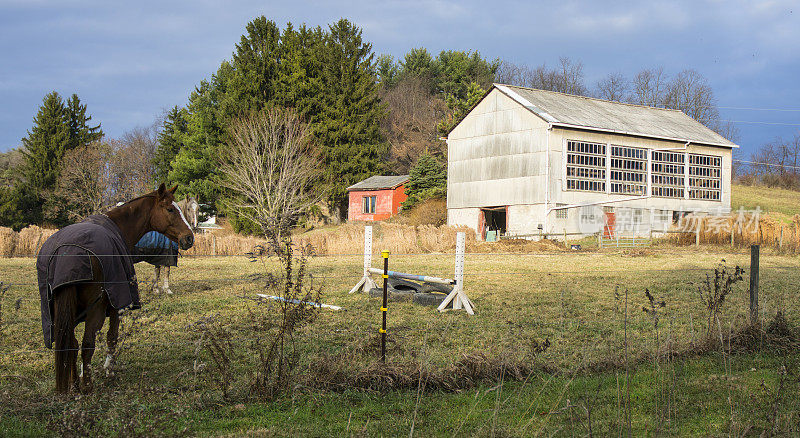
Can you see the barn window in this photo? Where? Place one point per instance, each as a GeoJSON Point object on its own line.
{"type": "Point", "coordinates": [368, 204]}
{"type": "Point", "coordinates": [705, 177]}
{"type": "Point", "coordinates": [561, 213]}
{"type": "Point", "coordinates": [586, 166]}
{"type": "Point", "coordinates": [668, 174]}
{"type": "Point", "coordinates": [628, 170]}
{"type": "Point", "coordinates": [588, 214]}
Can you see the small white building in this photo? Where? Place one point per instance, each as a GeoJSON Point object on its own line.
{"type": "Point", "coordinates": [526, 161]}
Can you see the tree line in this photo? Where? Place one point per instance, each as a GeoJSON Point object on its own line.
{"type": "Point", "coordinates": [360, 115]}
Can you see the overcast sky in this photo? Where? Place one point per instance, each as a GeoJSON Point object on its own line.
{"type": "Point", "coordinates": [128, 61]}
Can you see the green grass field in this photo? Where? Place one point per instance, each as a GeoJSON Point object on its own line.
{"type": "Point", "coordinates": [165, 383]}
{"type": "Point", "coordinates": [770, 199]}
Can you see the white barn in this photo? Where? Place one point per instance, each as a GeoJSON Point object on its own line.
{"type": "Point", "coordinates": [526, 161]}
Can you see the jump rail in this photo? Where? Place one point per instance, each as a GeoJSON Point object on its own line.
{"type": "Point", "coordinates": [458, 297]}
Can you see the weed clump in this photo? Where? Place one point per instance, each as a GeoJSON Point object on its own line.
{"type": "Point", "coordinates": [715, 290]}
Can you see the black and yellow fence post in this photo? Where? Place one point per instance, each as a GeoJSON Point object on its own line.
{"type": "Point", "coordinates": [385, 307]}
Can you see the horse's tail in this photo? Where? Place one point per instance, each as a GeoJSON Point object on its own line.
{"type": "Point", "coordinates": [66, 352]}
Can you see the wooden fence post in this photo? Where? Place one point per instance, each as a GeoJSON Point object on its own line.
{"type": "Point", "coordinates": [213, 244]}
{"type": "Point", "coordinates": [754, 249]}
{"type": "Point", "coordinates": [565, 239]}
{"type": "Point", "coordinates": [697, 235]}
{"type": "Point", "coordinates": [780, 242]}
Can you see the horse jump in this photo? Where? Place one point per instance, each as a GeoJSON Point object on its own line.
{"type": "Point", "coordinates": [457, 296]}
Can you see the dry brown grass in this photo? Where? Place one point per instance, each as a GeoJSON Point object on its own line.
{"type": "Point", "coordinates": [393, 237]}
{"type": "Point", "coordinates": [8, 241]}
{"type": "Point", "coordinates": [768, 231]}
{"type": "Point", "coordinates": [24, 243]}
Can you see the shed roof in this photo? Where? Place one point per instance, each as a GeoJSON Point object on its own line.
{"type": "Point", "coordinates": [589, 113]}
{"type": "Point", "coordinates": [378, 182]}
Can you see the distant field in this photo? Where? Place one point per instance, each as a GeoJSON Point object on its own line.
{"type": "Point", "coordinates": [574, 301]}
{"type": "Point", "coordinates": [770, 199]}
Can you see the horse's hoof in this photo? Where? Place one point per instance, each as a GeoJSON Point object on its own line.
{"type": "Point", "coordinates": [168, 291]}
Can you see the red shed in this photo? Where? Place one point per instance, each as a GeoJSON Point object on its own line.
{"type": "Point", "coordinates": [376, 198]}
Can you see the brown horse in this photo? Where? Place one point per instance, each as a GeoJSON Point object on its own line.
{"type": "Point", "coordinates": [90, 300]}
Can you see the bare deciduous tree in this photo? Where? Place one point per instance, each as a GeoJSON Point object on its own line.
{"type": "Point", "coordinates": [566, 78]}
{"type": "Point", "coordinates": [410, 125]}
{"type": "Point", "coordinates": [613, 87]}
{"type": "Point", "coordinates": [649, 87]}
{"type": "Point", "coordinates": [132, 167]}
{"type": "Point", "coordinates": [270, 165]}
{"type": "Point", "coordinates": [512, 74]}
{"type": "Point", "coordinates": [84, 180]}
{"type": "Point", "coordinates": [690, 92]}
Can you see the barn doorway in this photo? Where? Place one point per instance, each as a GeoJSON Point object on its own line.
{"type": "Point", "coordinates": [493, 223]}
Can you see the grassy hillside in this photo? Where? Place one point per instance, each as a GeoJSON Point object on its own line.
{"type": "Point", "coordinates": [771, 199]}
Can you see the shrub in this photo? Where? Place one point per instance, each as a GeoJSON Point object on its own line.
{"type": "Point", "coordinates": [428, 180]}
{"type": "Point", "coordinates": [429, 212]}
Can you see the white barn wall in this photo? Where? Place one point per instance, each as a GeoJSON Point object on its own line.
{"type": "Point", "coordinates": [496, 156]}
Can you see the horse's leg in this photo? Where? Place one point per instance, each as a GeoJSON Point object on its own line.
{"type": "Point", "coordinates": [94, 322]}
{"type": "Point", "coordinates": [111, 339]}
{"type": "Point", "coordinates": [166, 281]}
{"type": "Point", "coordinates": [156, 285]}
{"type": "Point", "coordinates": [96, 301]}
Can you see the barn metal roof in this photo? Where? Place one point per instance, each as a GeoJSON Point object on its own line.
{"type": "Point", "coordinates": [569, 111]}
{"type": "Point", "coordinates": [378, 182]}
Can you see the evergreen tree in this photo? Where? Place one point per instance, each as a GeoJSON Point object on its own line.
{"type": "Point", "coordinates": [194, 167]}
{"type": "Point", "coordinates": [80, 133]}
{"type": "Point", "coordinates": [170, 140]}
{"type": "Point", "coordinates": [428, 179]}
{"type": "Point", "coordinates": [388, 71]}
{"type": "Point", "coordinates": [46, 143]}
{"type": "Point", "coordinates": [353, 146]}
{"type": "Point", "coordinates": [460, 106]}
{"type": "Point", "coordinates": [299, 82]}
{"type": "Point", "coordinates": [327, 76]}
{"type": "Point", "coordinates": [57, 128]}
{"type": "Point", "coordinates": [19, 207]}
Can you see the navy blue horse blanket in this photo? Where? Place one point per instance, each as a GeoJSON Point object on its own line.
{"type": "Point", "coordinates": [65, 258]}
{"type": "Point", "coordinates": [156, 249]}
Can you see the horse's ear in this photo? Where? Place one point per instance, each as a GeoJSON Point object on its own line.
{"type": "Point", "coordinates": [161, 189]}
{"type": "Point", "coordinates": [172, 190]}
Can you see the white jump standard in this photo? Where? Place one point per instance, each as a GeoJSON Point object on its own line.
{"type": "Point", "coordinates": [457, 295]}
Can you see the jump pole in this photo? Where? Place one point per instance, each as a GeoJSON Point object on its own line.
{"type": "Point", "coordinates": [457, 295]}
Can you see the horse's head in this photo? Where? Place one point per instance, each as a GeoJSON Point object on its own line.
{"type": "Point", "coordinates": [168, 219]}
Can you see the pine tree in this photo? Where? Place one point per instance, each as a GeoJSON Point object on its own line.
{"type": "Point", "coordinates": [80, 133]}
{"type": "Point", "coordinates": [170, 141]}
{"type": "Point", "coordinates": [428, 179]}
{"type": "Point", "coordinates": [194, 167]}
{"type": "Point", "coordinates": [251, 83]}
{"type": "Point", "coordinates": [298, 84]}
{"type": "Point", "coordinates": [46, 143]}
{"type": "Point", "coordinates": [349, 130]}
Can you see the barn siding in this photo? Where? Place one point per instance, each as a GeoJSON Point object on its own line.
{"type": "Point", "coordinates": [496, 157]}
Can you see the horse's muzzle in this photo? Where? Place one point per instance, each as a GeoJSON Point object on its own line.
{"type": "Point", "coordinates": [186, 242]}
